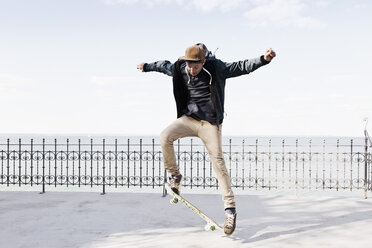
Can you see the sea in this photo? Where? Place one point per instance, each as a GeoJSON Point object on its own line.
{"type": "Point", "coordinates": [230, 143]}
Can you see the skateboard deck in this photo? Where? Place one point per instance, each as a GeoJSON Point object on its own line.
{"type": "Point", "coordinates": [211, 224]}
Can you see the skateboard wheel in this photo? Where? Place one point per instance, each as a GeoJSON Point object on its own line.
{"type": "Point", "coordinates": [174, 201]}
{"type": "Point", "coordinates": [209, 227]}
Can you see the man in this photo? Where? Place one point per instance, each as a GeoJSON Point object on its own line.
{"type": "Point", "coordinates": [199, 90]}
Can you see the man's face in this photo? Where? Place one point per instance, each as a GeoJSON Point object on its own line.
{"type": "Point", "coordinates": [194, 67]}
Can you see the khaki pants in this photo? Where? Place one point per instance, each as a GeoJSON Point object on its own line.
{"type": "Point", "coordinates": [211, 136]}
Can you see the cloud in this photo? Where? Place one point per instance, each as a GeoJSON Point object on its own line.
{"type": "Point", "coordinates": [209, 5]}
{"type": "Point", "coordinates": [321, 3]}
{"type": "Point", "coordinates": [7, 80]}
{"type": "Point", "coordinates": [343, 77]}
{"type": "Point", "coordinates": [202, 5]}
{"type": "Point", "coordinates": [361, 6]}
{"type": "Point", "coordinates": [113, 2]}
{"type": "Point", "coordinates": [277, 13]}
{"type": "Point", "coordinates": [113, 80]}
{"type": "Point", "coordinates": [149, 3]}
{"type": "Point", "coordinates": [12, 84]}
{"type": "Point", "coordinates": [262, 13]}
{"type": "Point", "coordinates": [280, 13]}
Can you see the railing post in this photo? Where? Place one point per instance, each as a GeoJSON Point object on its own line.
{"type": "Point", "coordinates": [365, 163]}
{"type": "Point", "coordinates": [243, 165]}
{"type": "Point", "coordinates": [230, 158]}
{"type": "Point", "coordinates": [43, 183]}
{"type": "Point", "coordinates": [191, 168]}
{"type": "Point", "coordinates": [79, 161]}
{"type": "Point", "coordinates": [103, 170]}
{"type": "Point", "coordinates": [140, 164]}
{"type": "Point", "coordinates": [20, 163]}
{"type": "Point", "coordinates": [116, 163]}
{"type": "Point", "coordinates": [165, 181]}
{"type": "Point", "coordinates": [32, 161]}
{"type": "Point", "coordinates": [310, 164]}
{"type": "Point", "coordinates": [8, 163]}
{"type": "Point", "coordinates": [91, 164]}
{"type": "Point", "coordinates": [128, 163]}
{"type": "Point", "coordinates": [296, 170]}
{"type": "Point", "coordinates": [67, 164]}
{"type": "Point", "coordinates": [256, 164]}
{"type": "Point", "coordinates": [153, 163]}
{"type": "Point", "coordinates": [351, 165]}
{"type": "Point", "coordinates": [55, 163]}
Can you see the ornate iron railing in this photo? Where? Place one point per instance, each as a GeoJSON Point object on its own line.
{"type": "Point", "coordinates": [367, 162]}
{"type": "Point", "coordinates": [338, 164]}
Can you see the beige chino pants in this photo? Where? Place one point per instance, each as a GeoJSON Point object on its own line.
{"type": "Point", "coordinates": [211, 136]}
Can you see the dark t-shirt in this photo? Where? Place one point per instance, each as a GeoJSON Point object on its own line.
{"type": "Point", "coordinates": [199, 105]}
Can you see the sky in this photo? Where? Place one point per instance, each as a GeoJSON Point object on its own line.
{"type": "Point", "coordinates": [69, 66]}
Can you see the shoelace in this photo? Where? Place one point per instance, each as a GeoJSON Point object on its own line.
{"type": "Point", "coordinates": [173, 183]}
{"type": "Point", "coordinates": [230, 220]}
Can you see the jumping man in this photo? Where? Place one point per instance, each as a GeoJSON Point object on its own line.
{"type": "Point", "coordinates": [199, 91]}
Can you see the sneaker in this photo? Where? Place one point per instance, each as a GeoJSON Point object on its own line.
{"type": "Point", "coordinates": [175, 182]}
{"type": "Point", "coordinates": [230, 221]}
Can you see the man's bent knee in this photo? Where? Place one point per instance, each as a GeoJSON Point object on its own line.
{"type": "Point", "coordinates": [166, 138]}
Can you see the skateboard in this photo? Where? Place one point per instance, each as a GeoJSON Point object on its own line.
{"type": "Point", "coordinates": [211, 224]}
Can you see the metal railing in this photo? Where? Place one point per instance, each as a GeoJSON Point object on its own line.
{"type": "Point", "coordinates": [367, 161]}
{"type": "Point", "coordinates": [325, 164]}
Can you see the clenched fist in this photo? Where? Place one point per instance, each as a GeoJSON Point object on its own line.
{"type": "Point", "coordinates": [140, 66]}
{"type": "Point", "coordinates": [269, 55]}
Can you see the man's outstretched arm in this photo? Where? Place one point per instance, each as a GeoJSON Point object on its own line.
{"type": "Point", "coordinates": [246, 66]}
{"type": "Point", "coordinates": [163, 66]}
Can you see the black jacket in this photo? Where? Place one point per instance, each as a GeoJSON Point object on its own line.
{"type": "Point", "coordinates": [219, 71]}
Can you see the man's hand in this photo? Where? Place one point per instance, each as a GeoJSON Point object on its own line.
{"type": "Point", "coordinates": [269, 55]}
{"type": "Point", "coordinates": [140, 66]}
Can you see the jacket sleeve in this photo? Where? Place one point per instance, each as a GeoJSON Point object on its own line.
{"type": "Point", "coordinates": [163, 66]}
{"type": "Point", "coordinates": [239, 68]}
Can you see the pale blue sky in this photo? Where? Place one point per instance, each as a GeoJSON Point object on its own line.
{"type": "Point", "coordinates": [69, 66]}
